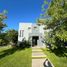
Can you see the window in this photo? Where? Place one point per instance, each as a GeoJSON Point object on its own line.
{"type": "Point", "coordinates": [35, 27]}
{"type": "Point", "coordinates": [29, 27]}
{"type": "Point", "coordinates": [21, 33]}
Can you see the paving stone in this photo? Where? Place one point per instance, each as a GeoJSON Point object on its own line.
{"type": "Point", "coordinates": [38, 57]}
{"type": "Point", "coordinates": [38, 54]}
{"type": "Point", "coordinates": [35, 50]}
{"type": "Point", "coordinates": [38, 62]}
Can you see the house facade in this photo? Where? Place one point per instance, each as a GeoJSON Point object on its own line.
{"type": "Point", "coordinates": [32, 32]}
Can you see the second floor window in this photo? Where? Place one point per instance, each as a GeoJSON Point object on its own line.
{"type": "Point", "coordinates": [21, 33]}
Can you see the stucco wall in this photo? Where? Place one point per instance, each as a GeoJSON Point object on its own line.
{"type": "Point", "coordinates": [30, 29]}
{"type": "Point", "coordinates": [25, 28]}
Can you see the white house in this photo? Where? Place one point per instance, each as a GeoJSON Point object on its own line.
{"type": "Point", "coordinates": [32, 32]}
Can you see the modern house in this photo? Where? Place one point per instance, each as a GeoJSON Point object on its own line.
{"type": "Point", "coordinates": [32, 32]}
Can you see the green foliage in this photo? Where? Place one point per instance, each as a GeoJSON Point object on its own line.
{"type": "Point", "coordinates": [3, 42]}
{"type": "Point", "coordinates": [40, 21]}
{"type": "Point", "coordinates": [2, 24]}
{"type": "Point", "coordinates": [3, 39]}
{"type": "Point", "coordinates": [44, 4]}
{"type": "Point", "coordinates": [57, 12]}
{"type": "Point", "coordinates": [9, 36]}
{"type": "Point", "coordinates": [24, 44]}
{"type": "Point", "coordinates": [12, 36]}
{"type": "Point", "coordinates": [58, 58]}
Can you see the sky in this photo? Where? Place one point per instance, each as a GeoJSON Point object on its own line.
{"type": "Point", "coordinates": [21, 11]}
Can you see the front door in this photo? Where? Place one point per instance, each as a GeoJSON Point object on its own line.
{"type": "Point", "coordinates": [34, 40]}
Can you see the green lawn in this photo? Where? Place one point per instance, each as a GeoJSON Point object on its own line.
{"type": "Point", "coordinates": [58, 61]}
{"type": "Point", "coordinates": [12, 57]}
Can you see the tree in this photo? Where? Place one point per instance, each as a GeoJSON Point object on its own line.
{"type": "Point", "coordinates": [2, 24]}
{"type": "Point", "coordinates": [57, 12]}
{"type": "Point", "coordinates": [12, 36]}
{"type": "Point", "coordinates": [3, 40]}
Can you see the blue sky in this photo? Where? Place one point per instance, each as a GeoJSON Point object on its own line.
{"type": "Point", "coordinates": [21, 11]}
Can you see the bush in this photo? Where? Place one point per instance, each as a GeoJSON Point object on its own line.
{"type": "Point", "coordinates": [12, 36]}
{"type": "Point", "coordinates": [3, 42]}
{"type": "Point", "coordinates": [24, 44]}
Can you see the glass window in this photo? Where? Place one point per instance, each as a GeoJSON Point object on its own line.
{"type": "Point", "coordinates": [21, 33]}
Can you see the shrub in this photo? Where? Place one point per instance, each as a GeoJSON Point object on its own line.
{"type": "Point", "coordinates": [24, 44]}
{"type": "Point", "coordinates": [3, 42]}
{"type": "Point", "coordinates": [3, 39]}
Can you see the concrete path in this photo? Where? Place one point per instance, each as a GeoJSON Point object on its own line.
{"type": "Point", "coordinates": [38, 57]}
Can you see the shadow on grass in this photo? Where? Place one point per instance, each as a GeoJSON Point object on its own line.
{"type": "Point", "coordinates": [61, 52]}
{"type": "Point", "coordinates": [10, 51]}
{"type": "Point", "coordinates": [7, 52]}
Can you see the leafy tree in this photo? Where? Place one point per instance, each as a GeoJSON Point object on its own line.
{"type": "Point", "coordinates": [12, 36]}
{"type": "Point", "coordinates": [3, 40]}
{"type": "Point", "coordinates": [57, 12]}
{"type": "Point", "coordinates": [2, 24]}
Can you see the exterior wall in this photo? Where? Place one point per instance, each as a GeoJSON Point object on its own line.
{"type": "Point", "coordinates": [35, 29]}
{"type": "Point", "coordinates": [28, 30]}
{"type": "Point", "coordinates": [41, 29]}
{"type": "Point", "coordinates": [25, 28]}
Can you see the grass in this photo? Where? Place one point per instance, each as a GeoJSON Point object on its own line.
{"type": "Point", "coordinates": [58, 61]}
{"type": "Point", "coordinates": [12, 57]}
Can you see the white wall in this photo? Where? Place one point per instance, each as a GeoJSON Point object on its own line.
{"type": "Point", "coordinates": [25, 27]}
{"type": "Point", "coordinates": [41, 29]}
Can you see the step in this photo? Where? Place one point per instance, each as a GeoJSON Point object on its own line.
{"type": "Point", "coordinates": [36, 50]}
{"type": "Point", "coordinates": [38, 62]}
{"type": "Point", "coordinates": [38, 55]}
